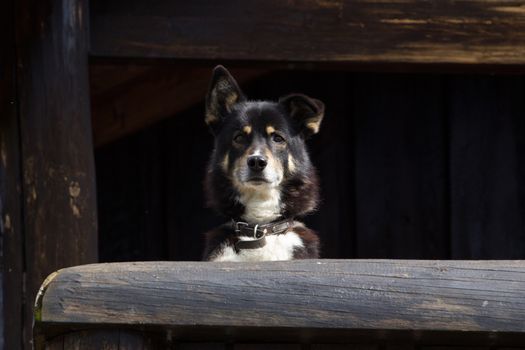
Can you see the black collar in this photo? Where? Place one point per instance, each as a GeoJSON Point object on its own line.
{"type": "Point", "coordinates": [258, 232]}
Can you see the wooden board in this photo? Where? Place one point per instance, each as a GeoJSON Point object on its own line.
{"type": "Point", "coordinates": [58, 183]}
{"type": "Point", "coordinates": [459, 297]}
{"type": "Point", "coordinates": [366, 31]}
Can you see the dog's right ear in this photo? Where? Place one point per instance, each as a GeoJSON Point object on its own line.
{"type": "Point", "coordinates": [223, 94]}
{"type": "Point", "coordinates": [307, 112]}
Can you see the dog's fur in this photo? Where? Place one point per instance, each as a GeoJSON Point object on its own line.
{"type": "Point", "coordinates": [272, 133]}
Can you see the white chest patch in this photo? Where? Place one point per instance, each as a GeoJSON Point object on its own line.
{"type": "Point", "coordinates": [261, 206]}
{"type": "Point", "coordinates": [278, 247]}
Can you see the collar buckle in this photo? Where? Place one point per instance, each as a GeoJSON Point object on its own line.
{"type": "Point", "coordinates": [244, 228]}
{"type": "Point", "coordinates": [238, 225]}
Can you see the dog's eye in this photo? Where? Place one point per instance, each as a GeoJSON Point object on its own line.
{"type": "Point", "coordinates": [277, 138]}
{"type": "Point", "coordinates": [239, 138]}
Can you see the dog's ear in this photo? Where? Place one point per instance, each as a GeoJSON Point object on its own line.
{"type": "Point", "coordinates": [307, 112]}
{"type": "Point", "coordinates": [223, 94]}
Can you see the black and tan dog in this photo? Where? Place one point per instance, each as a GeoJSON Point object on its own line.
{"type": "Point", "coordinates": [260, 174]}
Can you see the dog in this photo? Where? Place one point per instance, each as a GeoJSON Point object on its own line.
{"type": "Point", "coordinates": [259, 174]}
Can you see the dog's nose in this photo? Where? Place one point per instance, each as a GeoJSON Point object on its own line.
{"type": "Point", "coordinates": [257, 163]}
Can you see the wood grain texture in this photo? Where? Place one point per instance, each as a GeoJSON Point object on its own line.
{"type": "Point", "coordinates": [467, 31]}
{"type": "Point", "coordinates": [58, 183]}
{"type": "Point", "coordinates": [453, 296]}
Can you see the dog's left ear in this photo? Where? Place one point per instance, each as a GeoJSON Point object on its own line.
{"type": "Point", "coordinates": [223, 94]}
{"type": "Point", "coordinates": [307, 112]}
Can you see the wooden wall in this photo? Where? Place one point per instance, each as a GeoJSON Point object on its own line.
{"type": "Point", "coordinates": [412, 166]}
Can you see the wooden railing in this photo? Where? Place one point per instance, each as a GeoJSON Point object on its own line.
{"type": "Point", "coordinates": [376, 302]}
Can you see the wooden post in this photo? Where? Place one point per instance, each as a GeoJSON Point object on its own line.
{"type": "Point", "coordinates": [11, 263]}
{"type": "Point", "coordinates": [56, 156]}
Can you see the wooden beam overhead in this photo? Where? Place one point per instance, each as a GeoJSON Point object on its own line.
{"type": "Point", "coordinates": [353, 31]}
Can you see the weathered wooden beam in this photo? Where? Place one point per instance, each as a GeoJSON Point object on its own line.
{"type": "Point", "coordinates": [58, 182]}
{"type": "Point", "coordinates": [485, 298]}
{"type": "Point", "coordinates": [384, 31]}
{"type": "Point", "coordinates": [122, 106]}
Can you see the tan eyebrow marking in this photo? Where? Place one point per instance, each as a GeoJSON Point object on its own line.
{"type": "Point", "coordinates": [247, 129]}
{"type": "Point", "coordinates": [291, 163]}
{"type": "Point", "coordinates": [270, 129]}
{"type": "Point", "coordinates": [210, 118]}
{"type": "Point", "coordinates": [225, 162]}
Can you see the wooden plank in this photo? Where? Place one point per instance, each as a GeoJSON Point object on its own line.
{"type": "Point", "coordinates": [458, 297]}
{"type": "Point", "coordinates": [465, 32]}
{"type": "Point", "coordinates": [401, 177]}
{"type": "Point", "coordinates": [56, 142]}
{"type": "Point", "coordinates": [487, 171]}
{"type": "Point", "coordinates": [11, 252]}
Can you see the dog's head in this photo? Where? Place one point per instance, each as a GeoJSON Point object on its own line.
{"type": "Point", "coordinates": [259, 149]}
